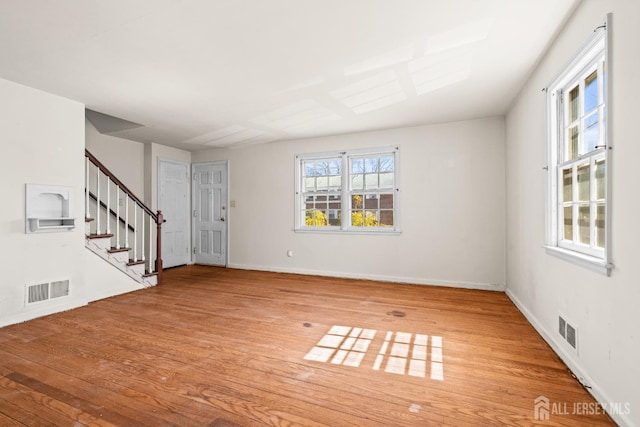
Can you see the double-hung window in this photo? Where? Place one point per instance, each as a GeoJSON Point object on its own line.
{"type": "Point", "coordinates": [578, 146]}
{"type": "Point", "coordinates": [348, 191]}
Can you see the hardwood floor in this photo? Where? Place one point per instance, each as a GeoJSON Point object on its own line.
{"type": "Point", "coordinates": [220, 347]}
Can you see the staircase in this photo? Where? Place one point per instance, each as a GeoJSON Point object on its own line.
{"type": "Point", "coordinates": [119, 228]}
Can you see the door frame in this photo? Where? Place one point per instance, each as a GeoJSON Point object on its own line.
{"type": "Point", "coordinates": [193, 207]}
{"type": "Point", "coordinates": [189, 225]}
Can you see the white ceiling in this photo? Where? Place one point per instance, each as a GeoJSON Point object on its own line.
{"type": "Point", "coordinates": [199, 74]}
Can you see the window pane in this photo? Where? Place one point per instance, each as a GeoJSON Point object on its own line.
{"type": "Point", "coordinates": [357, 201]}
{"type": "Point", "coordinates": [568, 223]}
{"type": "Point", "coordinates": [309, 202]}
{"type": "Point", "coordinates": [583, 182]}
{"type": "Point", "coordinates": [386, 164]}
{"type": "Point", "coordinates": [584, 220]}
{"type": "Point", "coordinates": [371, 165]}
{"type": "Point", "coordinates": [309, 168]}
{"type": "Point", "coordinates": [600, 179]}
{"type": "Point", "coordinates": [315, 218]}
{"type": "Point", "coordinates": [364, 219]}
{"type": "Point", "coordinates": [357, 182]}
{"type": "Point", "coordinates": [335, 167]}
{"type": "Point", "coordinates": [572, 143]}
{"type": "Point", "coordinates": [567, 184]}
{"type": "Point", "coordinates": [371, 201]}
{"type": "Point", "coordinates": [322, 182]}
{"type": "Point", "coordinates": [322, 168]}
{"type": "Point", "coordinates": [357, 165]}
{"type": "Point", "coordinates": [386, 201]}
{"type": "Point", "coordinates": [591, 132]}
{"type": "Point", "coordinates": [591, 92]}
{"type": "Point", "coordinates": [386, 218]}
{"type": "Point", "coordinates": [386, 180]}
{"type": "Point", "coordinates": [309, 184]}
{"type": "Point", "coordinates": [574, 106]}
{"type": "Point", "coordinates": [335, 182]}
{"type": "Point", "coordinates": [334, 217]}
{"type": "Point", "coordinates": [371, 181]}
{"type": "Point", "coordinates": [600, 222]}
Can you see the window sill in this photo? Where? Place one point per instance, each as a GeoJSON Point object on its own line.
{"type": "Point", "coordinates": [596, 264]}
{"type": "Point", "coordinates": [347, 231]}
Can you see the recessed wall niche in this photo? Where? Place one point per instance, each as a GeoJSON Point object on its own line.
{"type": "Point", "coordinates": [49, 208]}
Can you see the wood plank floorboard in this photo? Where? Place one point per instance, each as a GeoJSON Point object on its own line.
{"type": "Point", "coordinates": [226, 348]}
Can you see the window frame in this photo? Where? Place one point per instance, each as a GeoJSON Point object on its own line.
{"type": "Point", "coordinates": [588, 58]}
{"type": "Point", "coordinates": [346, 191]}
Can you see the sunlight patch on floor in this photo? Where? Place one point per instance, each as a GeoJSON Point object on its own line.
{"type": "Point", "coordinates": [405, 353]}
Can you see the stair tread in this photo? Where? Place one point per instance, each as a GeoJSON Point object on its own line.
{"type": "Point", "coordinates": [149, 274]}
{"type": "Point", "coordinates": [88, 219]}
{"type": "Point", "coordinates": [132, 262]}
{"type": "Point", "coordinates": [98, 236]}
{"type": "Point", "coordinates": [114, 250]}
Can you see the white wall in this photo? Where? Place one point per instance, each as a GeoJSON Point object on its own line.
{"type": "Point", "coordinates": [123, 157]}
{"type": "Point", "coordinates": [153, 152]}
{"type": "Point", "coordinates": [452, 208]}
{"type": "Point", "coordinates": [42, 143]}
{"type": "Point", "coordinates": [604, 309]}
{"type": "Point", "coordinates": [104, 280]}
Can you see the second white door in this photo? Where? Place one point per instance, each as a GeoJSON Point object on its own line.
{"type": "Point", "coordinates": [210, 213]}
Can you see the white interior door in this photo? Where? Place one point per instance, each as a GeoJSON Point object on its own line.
{"type": "Point", "coordinates": [173, 201]}
{"type": "Point", "coordinates": [210, 213]}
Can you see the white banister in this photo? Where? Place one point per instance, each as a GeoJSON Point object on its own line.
{"type": "Point", "coordinates": [147, 243]}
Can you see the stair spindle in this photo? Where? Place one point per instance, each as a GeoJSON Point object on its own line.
{"type": "Point", "coordinates": [98, 230]}
{"type": "Point", "coordinates": [126, 222]}
{"type": "Point", "coordinates": [135, 232]}
{"type": "Point", "coordinates": [108, 211]}
{"type": "Point", "coordinates": [150, 245]}
{"type": "Point", "coordinates": [87, 212]}
{"type": "Point", "coordinates": [142, 237]}
{"type": "Point", "coordinates": [118, 217]}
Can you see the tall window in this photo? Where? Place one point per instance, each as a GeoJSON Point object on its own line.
{"type": "Point", "coordinates": [577, 222]}
{"type": "Point", "coordinates": [348, 191]}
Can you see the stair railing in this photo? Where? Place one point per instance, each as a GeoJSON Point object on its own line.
{"type": "Point", "coordinates": [145, 222]}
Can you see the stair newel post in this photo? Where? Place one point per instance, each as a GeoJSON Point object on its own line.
{"type": "Point", "coordinates": [117, 217]}
{"type": "Point", "coordinates": [108, 217]}
{"type": "Point", "coordinates": [159, 221]}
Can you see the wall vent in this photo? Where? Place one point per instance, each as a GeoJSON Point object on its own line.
{"type": "Point", "coordinates": [562, 327]}
{"type": "Point", "coordinates": [45, 291]}
{"type": "Point", "coordinates": [36, 293]}
{"type": "Point", "coordinates": [569, 332]}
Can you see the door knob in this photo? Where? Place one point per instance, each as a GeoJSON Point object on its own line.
{"type": "Point", "coordinates": [222, 219]}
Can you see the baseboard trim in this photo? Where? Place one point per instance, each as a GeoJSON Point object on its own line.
{"type": "Point", "coordinates": [573, 364]}
{"type": "Point", "coordinates": [44, 310]}
{"type": "Point", "coordinates": [379, 278]}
